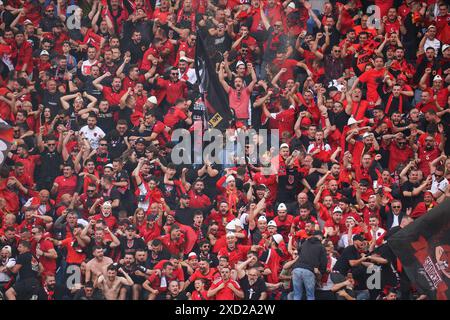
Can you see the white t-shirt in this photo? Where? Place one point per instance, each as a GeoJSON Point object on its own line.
{"type": "Point", "coordinates": [438, 186]}
{"type": "Point", "coordinates": [436, 44]}
{"type": "Point", "coordinates": [86, 67]}
{"type": "Point", "coordinates": [93, 135]}
{"type": "Point", "coordinates": [143, 204]}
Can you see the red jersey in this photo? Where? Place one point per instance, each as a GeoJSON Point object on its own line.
{"type": "Point", "coordinates": [225, 293]}
{"type": "Point", "coordinates": [65, 185]}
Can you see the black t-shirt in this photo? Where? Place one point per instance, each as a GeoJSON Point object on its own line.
{"type": "Point", "coordinates": [343, 263]}
{"type": "Point", "coordinates": [30, 266]}
{"type": "Point", "coordinates": [253, 292]}
{"type": "Point", "coordinates": [288, 185]}
{"type": "Point", "coordinates": [184, 216]}
{"type": "Point", "coordinates": [116, 144]}
{"type": "Point", "coordinates": [410, 202]}
{"type": "Point", "coordinates": [130, 246]}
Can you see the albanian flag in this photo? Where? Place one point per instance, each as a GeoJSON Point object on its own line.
{"type": "Point", "coordinates": [423, 248]}
{"type": "Point", "coordinates": [6, 138]}
{"type": "Point", "coordinates": [216, 99]}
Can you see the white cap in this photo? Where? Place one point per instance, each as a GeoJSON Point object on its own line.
{"type": "Point", "coordinates": [44, 52]}
{"type": "Point", "coordinates": [107, 204]}
{"type": "Point", "coordinates": [445, 47]}
{"type": "Point", "coordinates": [337, 209]}
{"type": "Point", "coordinates": [239, 63]}
{"type": "Point", "coordinates": [230, 234]}
{"type": "Point", "coordinates": [284, 145]}
{"type": "Point", "coordinates": [192, 254]}
{"type": "Point", "coordinates": [278, 238]}
{"type": "Point", "coordinates": [291, 5]}
{"type": "Point", "coordinates": [262, 218]}
{"type": "Point", "coordinates": [27, 21]}
{"type": "Point", "coordinates": [230, 178]}
{"type": "Point", "coordinates": [351, 121]}
{"type": "Point", "coordinates": [7, 248]}
{"type": "Point", "coordinates": [272, 224]}
{"type": "Point", "coordinates": [367, 134]}
{"type": "Point", "coordinates": [153, 100]}
{"type": "Point", "coordinates": [231, 226]}
{"type": "Point", "coordinates": [1, 3]}
{"type": "Point", "coordinates": [282, 206]}
{"type": "Point", "coordinates": [437, 78]}
{"type": "Point", "coordinates": [183, 59]}
{"type": "Point", "coordinates": [237, 223]}
{"type": "Point", "coordinates": [109, 165]}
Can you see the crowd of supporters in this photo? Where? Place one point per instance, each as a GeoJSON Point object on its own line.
{"type": "Point", "coordinates": [92, 205]}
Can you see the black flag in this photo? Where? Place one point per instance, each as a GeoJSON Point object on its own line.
{"type": "Point", "coordinates": [216, 99]}
{"type": "Point", "coordinates": [423, 248]}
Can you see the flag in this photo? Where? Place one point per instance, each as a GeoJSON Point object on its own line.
{"type": "Point", "coordinates": [423, 248]}
{"type": "Point", "coordinates": [216, 99]}
{"type": "Point", "coordinates": [6, 138]}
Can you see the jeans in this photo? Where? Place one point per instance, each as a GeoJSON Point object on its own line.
{"type": "Point", "coordinates": [303, 278]}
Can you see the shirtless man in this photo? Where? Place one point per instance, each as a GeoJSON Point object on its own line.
{"type": "Point", "coordinates": [113, 287]}
{"type": "Point", "coordinates": [98, 265]}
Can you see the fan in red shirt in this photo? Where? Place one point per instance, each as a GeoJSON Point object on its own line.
{"type": "Point", "coordinates": [44, 250]}
{"type": "Point", "coordinates": [28, 161]}
{"type": "Point", "coordinates": [204, 272]}
{"type": "Point", "coordinates": [222, 216]}
{"type": "Point", "coordinates": [334, 226]}
{"type": "Point", "coordinates": [158, 282]}
{"type": "Point", "coordinates": [178, 114]}
{"type": "Point", "coordinates": [372, 77]}
{"type": "Point", "coordinates": [391, 23]}
{"type": "Point", "coordinates": [178, 273]}
{"type": "Point", "coordinates": [225, 288]}
{"type": "Point", "coordinates": [283, 221]}
{"type": "Point", "coordinates": [427, 154]}
{"type": "Point", "coordinates": [112, 94]}
{"type": "Point", "coordinates": [235, 252]}
{"type": "Point", "coordinates": [23, 52]}
{"type": "Point", "coordinates": [106, 216]}
{"type": "Point", "coordinates": [173, 89]}
{"type": "Point", "coordinates": [175, 241]}
{"type": "Point", "coordinates": [198, 200]}
{"type": "Point", "coordinates": [67, 183]}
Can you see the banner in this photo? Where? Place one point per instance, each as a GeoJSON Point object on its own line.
{"type": "Point", "coordinates": [6, 138]}
{"type": "Point", "coordinates": [423, 248]}
{"type": "Point", "coordinates": [216, 99]}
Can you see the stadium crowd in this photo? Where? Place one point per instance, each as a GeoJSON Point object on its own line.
{"type": "Point", "coordinates": [93, 207]}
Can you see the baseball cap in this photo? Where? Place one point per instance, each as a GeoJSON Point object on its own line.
{"type": "Point", "coordinates": [272, 224]}
{"type": "Point", "coordinates": [109, 165]}
{"type": "Point", "coordinates": [153, 100]}
{"type": "Point", "coordinates": [291, 5]}
{"type": "Point", "coordinates": [437, 78]}
{"type": "Point", "coordinates": [183, 59]}
{"type": "Point", "coordinates": [140, 140]}
{"type": "Point", "coordinates": [27, 22]}
{"type": "Point", "coordinates": [284, 145]}
{"type": "Point", "coordinates": [282, 206]}
{"type": "Point", "coordinates": [231, 226]}
{"type": "Point", "coordinates": [431, 26]}
{"type": "Point", "coordinates": [262, 218]}
{"type": "Point", "coordinates": [239, 63]}
{"type": "Point", "coordinates": [358, 237]}
{"type": "Point", "coordinates": [351, 121]}
{"type": "Point", "coordinates": [337, 209]}
{"type": "Point", "coordinates": [278, 238]}
{"type": "Point", "coordinates": [237, 223]}
{"type": "Point", "coordinates": [7, 248]}
{"type": "Point", "coordinates": [445, 47]}
{"type": "Point", "coordinates": [367, 134]}
{"type": "Point", "coordinates": [192, 255]}
{"type": "Point", "coordinates": [229, 179]}
{"type": "Point", "coordinates": [106, 204]}
{"type": "Point", "coordinates": [44, 52]}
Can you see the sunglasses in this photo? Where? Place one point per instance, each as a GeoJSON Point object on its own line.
{"type": "Point", "coordinates": [103, 145]}
{"type": "Point", "coordinates": [396, 207]}
{"type": "Point", "coordinates": [90, 191]}
{"type": "Point", "coordinates": [51, 144]}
